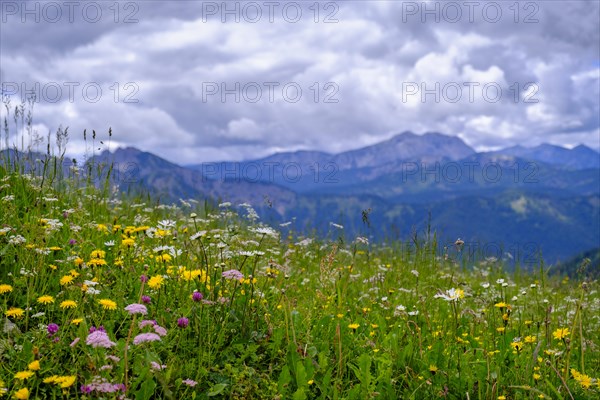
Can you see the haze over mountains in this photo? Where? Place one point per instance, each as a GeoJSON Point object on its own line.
{"type": "Point", "coordinates": [517, 203]}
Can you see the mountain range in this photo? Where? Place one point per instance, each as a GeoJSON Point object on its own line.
{"type": "Point", "coordinates": [520, 204]}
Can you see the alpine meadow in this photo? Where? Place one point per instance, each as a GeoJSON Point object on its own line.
{"type": "Point", "coordinates": [300, 200]}
{"type": "Point", "coordinates": [113, 295]}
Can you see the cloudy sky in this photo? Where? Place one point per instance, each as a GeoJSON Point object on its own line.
{"type": "Point", "coordinates": [199, 81]}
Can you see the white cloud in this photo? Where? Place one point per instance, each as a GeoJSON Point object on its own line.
{"type": "Point", "coordinates": [368, 54]}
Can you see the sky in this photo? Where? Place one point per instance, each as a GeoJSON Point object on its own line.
{"type": "Point", "coordinates": [200, 81]}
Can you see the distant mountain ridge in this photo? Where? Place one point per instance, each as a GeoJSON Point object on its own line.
{"type": "Point", "coordinates": [521, 202]}
{"type": "Point", "coordinates": [391, 164]}
{"type": "Point", "coordinates": [546, 197]}
{"type": "Point", "coordinates": [433, 147]}
{"type": "Point", "coordinates": [407, 146]}
{"type": "Point", "coordinates": [579, 157]}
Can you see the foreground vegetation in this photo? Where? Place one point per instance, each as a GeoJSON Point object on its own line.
{"type": "Point", "coordinates": [103, 296]}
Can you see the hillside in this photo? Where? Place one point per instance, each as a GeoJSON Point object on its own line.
{"type": "Point", "coordinates": [501, 204]}
{"type": "Point", "coordinates": [406, 182]}
{"type": "Point", "coordinates": [104, 294]}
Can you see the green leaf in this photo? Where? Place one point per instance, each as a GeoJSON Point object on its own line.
{"type": "Point", "coordinates": [301, 379]}
{"type": "Point", "coordinates": [146, 390]}
{"type": "Point", "coordinates": [285, 378]}
{"type": "Point", "coordinates": [299, 395]}
{"type": "Point", "coordinates": [217, 389]}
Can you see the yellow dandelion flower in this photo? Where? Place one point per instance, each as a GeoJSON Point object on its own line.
{"type": "Point", "coordinates": [50, 379]}
{"type": "Point", "coordinates": [55, 248]}
{"type": "Point", "coordinates": [516, 345]}
{"type": "Point", "coordinates": [502, 305]}
{"type": "Point", "coordinates": [53, 267]}
{"type": "Point", "coordinates": [4, 288]}
{"type": "Point", "coordinates": [433, 369]}
{"type": "Point", "coordinates": [156, 282]}
{"type": "Point", "coordinates": [584, 380]}
{"type": "Point", "coordinates": [45, 299]}
{"type": "Point", "coordinates": [66, 280]}
{"type": "Point", "coordinates": [78, 261]}
{"type": "Point", "coordinates": [74, 273]}
{"type": "Point", "coordinates": [22, 394]}
{"type": "Point", "coordinates": [102, 228]}
{"type": "Point", "coordinates": [536, 377]}
{"type": "Point", "coordinates": [500, 329]}
{"type": "Point", "coordinates": [354, 326]}
{"type": "Point", "coordinates": [24, 375]}
{"type": "Point", "coordinates": [164, 258]}
{"type": "Point", "coordinates": [66, 381]}
{"type": "Point", "coordinates": [561, 333]}
{"type": "Point", "coordinates": [68, 304]}
{"type": "Point", "coordinates": [107, 304]}
{"type": "Point", "coordinates": [98, 254]}
{"type": "Point", "coordinates": [188, 275]}
{"type": "Point", "coordinates": [501, 397]}
{"type": "Point", "coordinates": [14, 312]}
{"type": "Point", "coordinates": [95, 262]}
{"type": "Point", "coordinates": [34, 366]}
{"type": "Point", "coordinates": [127, 242]}
{"type": "Point", "coordinates": [162, 232]}
{"type": "Point", "coordinates": [530, 339]}
{"type": "Point", "coordinates": [171, 269]}
{"type": "Point", "coordinates": [77, 321]}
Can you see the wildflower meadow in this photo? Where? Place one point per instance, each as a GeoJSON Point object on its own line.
{"type": "Point", "coordinates": [104, 295]}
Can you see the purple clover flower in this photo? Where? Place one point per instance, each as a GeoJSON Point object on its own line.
{"type": "Point", "coordinates": [146, 337]}
{"type": "Point", "coordinates": [136, 309]}
{"type": "Point", "coordinates": [232, 274]}
{"type": "Point", "coordinates": [197, 296]}
{"type": "Point", "coordinates": [183, 322]}
{"type": "Point", "coordinates": [52, 328]}
{"type": "Point", "coordinates": [99, 339]}
{"type": "Point", "coordinates": [160, 330]}
{"type": "Point", "coordinates": [156, 366]}
{"type": "Point", "coordinates": [146, 322]}
{"type": "Point", "coordinates": [94, 329]}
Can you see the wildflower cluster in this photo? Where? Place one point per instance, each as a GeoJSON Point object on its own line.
{"type": "Point", "coordinates": [104, 297]}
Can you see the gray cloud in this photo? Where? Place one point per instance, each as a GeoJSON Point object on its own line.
{"type": "Point", "coordinates": [355, 75]}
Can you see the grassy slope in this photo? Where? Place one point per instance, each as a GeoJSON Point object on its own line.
{"type": "Point", "coordinates": [309, 320]}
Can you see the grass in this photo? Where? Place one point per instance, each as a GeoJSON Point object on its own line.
{"type": "Point", "coordinates": [225, 307]}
